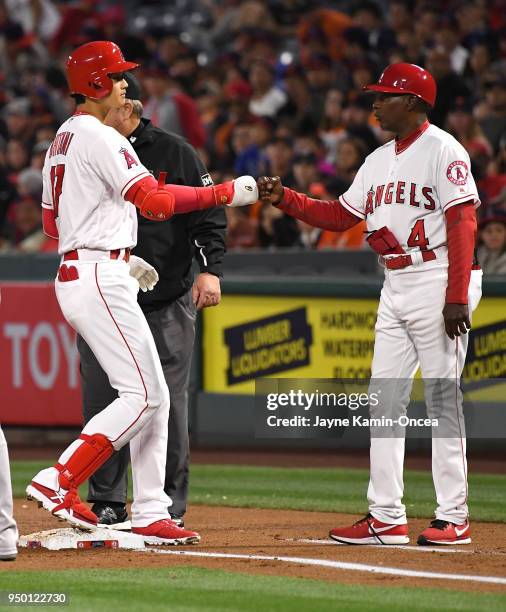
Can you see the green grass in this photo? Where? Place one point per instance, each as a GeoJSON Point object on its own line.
{"type": "Point", "coordinates": [186, 589]}
{"type": "Point", "coordinates": [332, 490]}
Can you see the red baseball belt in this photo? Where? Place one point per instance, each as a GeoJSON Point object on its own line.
{"type": "Point", "coordinates": [115, 254]}
{"type": "Point", "coordinates": [403, 261]}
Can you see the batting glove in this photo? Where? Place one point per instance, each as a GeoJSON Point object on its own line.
{"type": "Point", "coordinates": [239, 192]}
{"type": "Point", "coordinates": [144, 273]}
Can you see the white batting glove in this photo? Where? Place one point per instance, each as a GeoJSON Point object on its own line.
{"type": "Point", "coordinates": [144, 273]}
{"type": "Point", "coordinates": [245, 191]}
{"type": "Point", "coordinates": [239, 192]}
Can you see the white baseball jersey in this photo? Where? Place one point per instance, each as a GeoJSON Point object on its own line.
{"type": "Point", "coordinates": [87, 171]}
{"type": "Point", "coordinates": [408, 188]}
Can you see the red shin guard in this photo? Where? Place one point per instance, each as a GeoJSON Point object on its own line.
{"type": "Point", "coordinates": [93, 452]}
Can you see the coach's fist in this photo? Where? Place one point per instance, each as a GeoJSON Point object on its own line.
{"type": "Point", "coordinates": [270, 189]}
{"type": "Point", "coordinates": [456, 318]}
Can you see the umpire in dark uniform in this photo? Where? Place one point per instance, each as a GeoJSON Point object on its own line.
{"type": "Point", "coordinates": [170, 308]}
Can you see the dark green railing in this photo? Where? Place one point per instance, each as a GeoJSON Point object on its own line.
{"type": "Point", "coordinates": [281, 279]}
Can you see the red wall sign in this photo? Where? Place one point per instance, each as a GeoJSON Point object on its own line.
{"type": "Point", "coordinates": [39, 362]}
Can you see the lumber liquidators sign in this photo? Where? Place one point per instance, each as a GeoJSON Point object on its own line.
{"type": "Point", "coordinates": [268, 346]}
{"type": "Point", "coordinates": [486, 353]}
{"type": "Point", "coordinates": [249, 337]}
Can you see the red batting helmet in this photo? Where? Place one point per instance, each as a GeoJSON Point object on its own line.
{"type": "Point", "coordinates": [89, 67]}
{"type": "Point", "coordinates": [406, 79]}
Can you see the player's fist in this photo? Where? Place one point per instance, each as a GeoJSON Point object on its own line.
{"type": "Point", "coordinates": [270, 189]}
{"type": "Point", "coordinates": [144, 273]}
{"type": "Point", "coordinates": [240, 192]}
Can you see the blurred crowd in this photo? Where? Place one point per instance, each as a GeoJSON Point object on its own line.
{"type": "Point", "coordinates": [260, 87]}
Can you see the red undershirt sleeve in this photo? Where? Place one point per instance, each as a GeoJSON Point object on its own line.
{"type": "Point", "coordinates": [461, 227]}
{"type": "Point", "coordinates": [326, 214]}
{"type": "Point", "coordinates": [49, 223]}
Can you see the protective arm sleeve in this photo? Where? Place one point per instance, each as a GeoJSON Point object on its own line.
{"type": "Point", "coordinates": [49, 223]}
{"type": "Point", "coordinates": [461, 230]}
{"type": "Point", "coordinates": [159, 202]}
{"type": "Point", "coordinates": [327, 214]}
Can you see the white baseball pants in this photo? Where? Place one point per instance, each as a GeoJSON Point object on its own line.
{"type": "Point", "coordinates": [101, 305]}
{"type": "Point", "coordinates": [8, 529]}
{"type": "Point", "coordinates": [410, 333]}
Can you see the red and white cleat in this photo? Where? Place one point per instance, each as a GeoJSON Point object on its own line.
{"type": "Point", "coordinates": [371, 531]}
{"type": "Point", "coordinates": [66, 505]}
{"type": "Point", "coordinates": [166, 532]}
{"type": "Point", "coordinates": [445, 533]}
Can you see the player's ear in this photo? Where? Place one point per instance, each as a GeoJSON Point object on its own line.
{"type": "Point", "coordinates": [411, 102]}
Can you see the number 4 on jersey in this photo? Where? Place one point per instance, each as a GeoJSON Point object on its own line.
{"type": "Point", "coordinates": [57, 173]}
{"type": "Point", "coordinates": [417, 238]}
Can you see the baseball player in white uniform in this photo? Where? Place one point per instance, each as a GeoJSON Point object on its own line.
{"type": "Point", "coordinates": [418, 198]}
{"type": "Point", "coordinates": [92, 180]}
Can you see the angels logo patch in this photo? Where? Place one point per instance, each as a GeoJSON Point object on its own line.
{"type": "Point", "coordinates": [457, 173]}
{"type": "Point", "coordinates": [129, 158]}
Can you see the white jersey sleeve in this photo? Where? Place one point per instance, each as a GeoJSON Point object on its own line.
{"type": "Point", "coordinates": [118, 163]}
{"type": "Point", "coordinates": [454, 181]}
{"type": "Point", "coordinates": [354, 199]}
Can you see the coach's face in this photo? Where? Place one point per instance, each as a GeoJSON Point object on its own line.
{"type": "Point", "coordinates": [118, 118]}
{"type": "Point", "coordinates": [393, 110]}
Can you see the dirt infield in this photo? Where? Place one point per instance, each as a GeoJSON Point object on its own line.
{"type": "Point", "coordinates": [277, 533]}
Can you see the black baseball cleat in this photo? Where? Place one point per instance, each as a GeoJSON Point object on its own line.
{"type": "Point", "coordinates": [112, 515]}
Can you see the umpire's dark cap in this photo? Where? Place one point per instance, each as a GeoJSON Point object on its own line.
{"type": "Point", "coordinates": [133, 91]}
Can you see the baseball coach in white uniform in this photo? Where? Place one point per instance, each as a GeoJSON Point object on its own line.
{"type": "Point", "coordinates": [418, 198]}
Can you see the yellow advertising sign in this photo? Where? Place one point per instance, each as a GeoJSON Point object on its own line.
{"type": "Point", "coordinates": [249, 337]}
{"type": "Point", "coordinates": [486, 354]}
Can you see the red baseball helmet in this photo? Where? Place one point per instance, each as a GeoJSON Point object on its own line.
{"type": "Point", "coordinates": [404, 78]}
{"type": "Point", "coordinates": [89, 67]}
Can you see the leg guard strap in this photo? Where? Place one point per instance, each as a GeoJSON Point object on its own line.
{"type": "Point", "coordinates": [91, 454]}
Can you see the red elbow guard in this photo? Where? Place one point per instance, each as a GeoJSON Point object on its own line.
{"type": "Point", "coordinates": [49, 223]}
{"type": "Point", "coordinates": [152, 198]}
